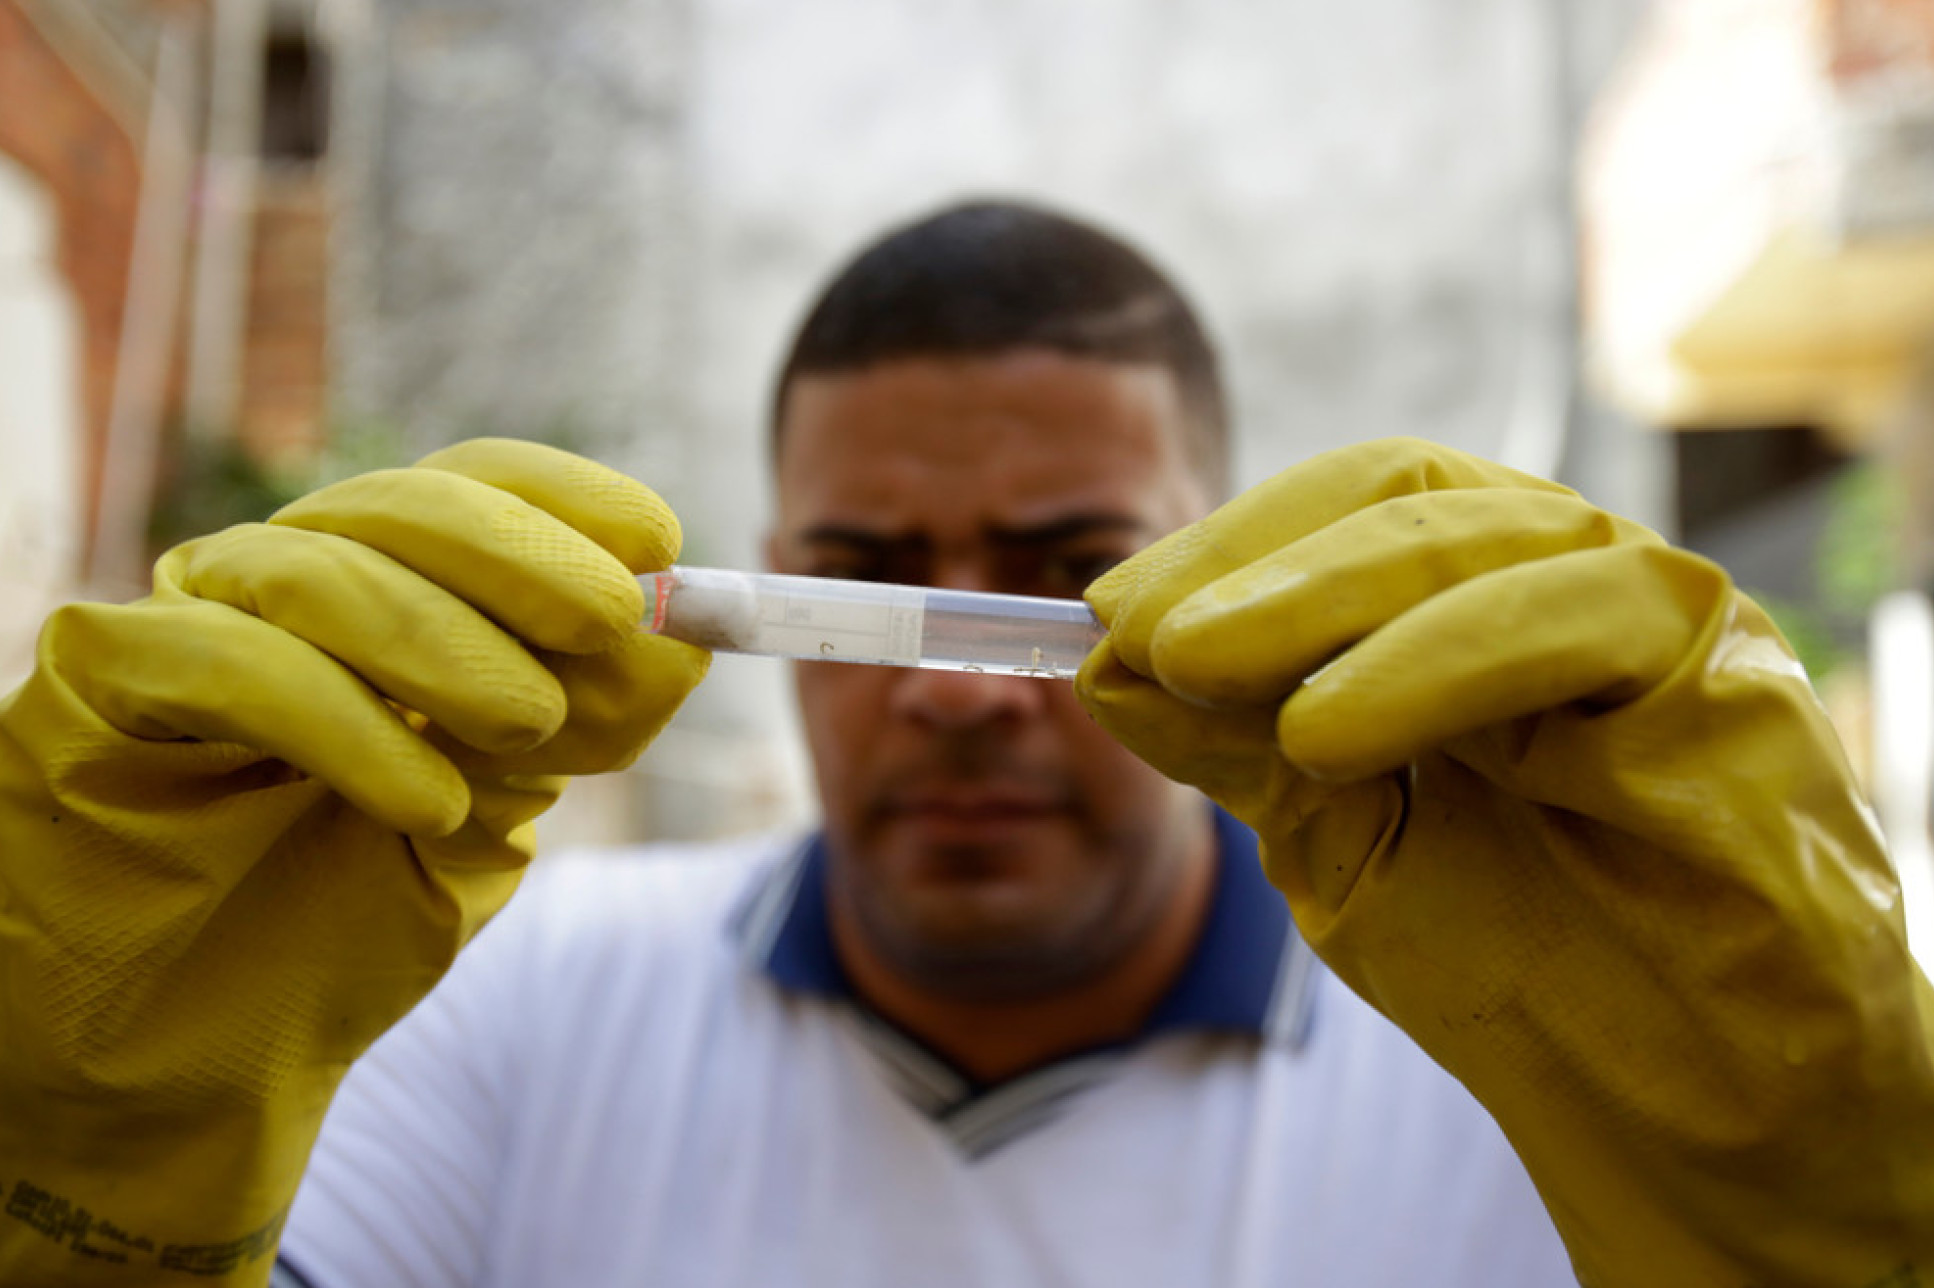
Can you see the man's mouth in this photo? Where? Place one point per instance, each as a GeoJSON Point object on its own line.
{"type": "Point", "coordinates": [966, 808]}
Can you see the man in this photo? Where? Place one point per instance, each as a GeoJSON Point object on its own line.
{"type": "Point", "coordinates": [1005, 899]}
{"type": "Point", "coordinates": [1540, 788]}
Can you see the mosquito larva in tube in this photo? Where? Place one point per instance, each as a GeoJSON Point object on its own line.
{"type": "Point", "coordinates": [833, 620]}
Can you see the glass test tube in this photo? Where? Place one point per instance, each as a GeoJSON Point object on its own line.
{"type": "Point", "coordinates": [832, 620]}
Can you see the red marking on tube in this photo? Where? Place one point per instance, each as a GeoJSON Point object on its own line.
{"type": "Point", "coordinates": [661, 598]}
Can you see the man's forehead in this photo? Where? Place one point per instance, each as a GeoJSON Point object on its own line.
{"type": "Point", "coordinates": [1025, 438]}
{"type": "Point", "coordinates": [1011, 501]}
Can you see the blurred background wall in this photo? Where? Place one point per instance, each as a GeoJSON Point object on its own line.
{"type": "Point", "coordinates": [1672, 253]}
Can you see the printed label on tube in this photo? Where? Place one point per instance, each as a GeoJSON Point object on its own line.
{"type": "Point", "coordinates": [888, 632]}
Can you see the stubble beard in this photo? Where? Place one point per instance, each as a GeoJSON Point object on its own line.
{"type": "Point", "coordinates": [977, 955]}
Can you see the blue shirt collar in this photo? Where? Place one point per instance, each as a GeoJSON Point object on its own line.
{"type": "Point", "coordinates": [1250, 972]}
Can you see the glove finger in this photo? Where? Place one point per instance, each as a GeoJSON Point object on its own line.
{"type": "Point", "coordinates": [1230, 755]}
{"type": "Point", "coordinates": [1599, 627]}
{"type": "Point", "coordinates": [1251, 635]}
{"type": "Point", "coordinates": [196, 669]}
{"type": "Point", "coordinates": [618, 701]}
{"type": "Point", "coordinates": [619, 513]}
{"type": "Point", "coordinates": [1132, 599]}
{"type": "Point", "coordinates": [411, 640]}
{"type": "Point", "coordinates": [533, 574]}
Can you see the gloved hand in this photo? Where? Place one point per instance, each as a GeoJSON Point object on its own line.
{"type": "Point", "coordinates": [1554, 797]}
{"type": "Point", "coordinates": [247, 822]}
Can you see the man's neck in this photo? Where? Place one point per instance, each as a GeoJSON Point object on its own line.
{"type": "Point", "coordinates": [994, 1040]}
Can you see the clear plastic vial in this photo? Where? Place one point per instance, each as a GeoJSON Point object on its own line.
{"type": "Point", "coordinates": [827, 619]}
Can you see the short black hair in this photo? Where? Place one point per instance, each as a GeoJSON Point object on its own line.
{"type": "Point", "coordinates": [986, 277]}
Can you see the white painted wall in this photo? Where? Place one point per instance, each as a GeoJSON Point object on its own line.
{"type": "Point", "coordinates": [40, 420]}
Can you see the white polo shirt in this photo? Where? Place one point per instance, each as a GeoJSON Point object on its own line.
{"type": "Point", "coordinates": [650, 1070]}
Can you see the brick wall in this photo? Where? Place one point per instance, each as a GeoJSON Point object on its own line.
{"type": "Point", "coordinates": [285, 356]}
{"type": "Point", "coordinates": [1873, 38]}
{"type": "Point", "coordinates": [52, 124]}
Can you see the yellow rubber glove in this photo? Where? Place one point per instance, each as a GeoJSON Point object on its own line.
{"type": "Point", "coordinates": [247, 822]}
{"type": "Point", "coordinates": [1554, 797]}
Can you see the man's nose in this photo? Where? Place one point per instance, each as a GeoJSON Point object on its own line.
{"type": "Point", "coordinates": [956, 700]}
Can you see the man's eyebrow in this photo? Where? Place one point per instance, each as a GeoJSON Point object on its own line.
{"type": "Point", "coordinates": [839, 534]}
{"type": "Point", "coordinates": [1070, 528]}
{"type": "Point", "coordinates": [1053, 532]}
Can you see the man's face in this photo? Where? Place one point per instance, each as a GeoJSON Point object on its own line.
{"type": "Point", "coordinates": [987, 839]}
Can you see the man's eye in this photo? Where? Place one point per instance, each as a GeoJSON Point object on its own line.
{"type": "Point", "coordinates": [891, 564]}
{"type": "Point", "coordinates": [1066, 576]}
{"type": "Point", "coordinates": [847, 569]}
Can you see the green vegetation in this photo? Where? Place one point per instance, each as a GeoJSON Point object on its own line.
{"type": "Point", "coordinates": [1854, 564]}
